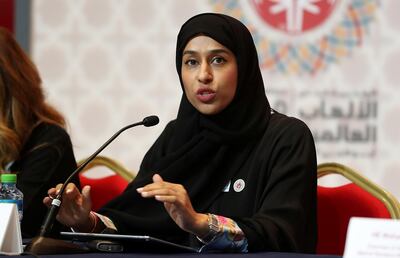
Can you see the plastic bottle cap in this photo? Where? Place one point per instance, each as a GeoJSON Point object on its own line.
{"type": "Point", "coordinates": [8, 178]}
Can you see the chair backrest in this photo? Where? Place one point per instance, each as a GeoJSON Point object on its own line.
{"type": "Point", "coordinates": [104, 189]}
{"type": "Point", "coordinates": [336, 205]}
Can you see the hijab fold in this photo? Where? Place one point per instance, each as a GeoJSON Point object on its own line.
{"type": "Point", "coordinates": [201, 152]}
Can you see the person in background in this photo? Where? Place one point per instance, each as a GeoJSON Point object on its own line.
{"type": "Point", "coordinates": [229, 174]}
{"type": "Point", "coordinates": [33, 141]}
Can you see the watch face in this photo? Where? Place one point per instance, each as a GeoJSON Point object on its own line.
{"type": "Point", "coordinates": [213, 224]}
{"type": "Point", "coordinates": [213, 229]}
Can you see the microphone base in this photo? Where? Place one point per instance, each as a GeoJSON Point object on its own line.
{"type": "Point", "coordinates": [47, 245]}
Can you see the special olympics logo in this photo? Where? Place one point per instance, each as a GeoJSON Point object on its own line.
{"type": "Point", "coordinates": [294, 16]}
{"type": "Point", "coordinates": [297, 37]}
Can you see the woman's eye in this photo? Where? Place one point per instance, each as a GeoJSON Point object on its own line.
{"type": "Point", "coordinates": [191, 62]}
{"type": "Point", "coordinates": [218, 60]}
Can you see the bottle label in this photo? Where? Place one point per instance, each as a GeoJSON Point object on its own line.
{"type": "Point", "coordinates": [19, 204]}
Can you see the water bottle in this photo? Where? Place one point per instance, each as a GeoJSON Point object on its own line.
{"type": "Point", "coordinates": [10, 193]}
{"type": "Point", "coordinates": [1, 188]}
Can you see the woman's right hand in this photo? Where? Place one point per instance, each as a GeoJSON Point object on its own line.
{"type": "Point", "coordinates": [75, 207]}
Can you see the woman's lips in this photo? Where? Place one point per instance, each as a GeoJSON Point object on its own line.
{"type": "Point", "coordinates": [205, 95]}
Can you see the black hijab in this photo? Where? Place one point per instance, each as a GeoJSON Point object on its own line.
{"type": "Point", "coordinates": [201, 152]}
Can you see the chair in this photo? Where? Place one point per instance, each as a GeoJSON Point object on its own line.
{"type": "Point", "coordinates": [105, 188]}
{"type": "Point", "coordinates": [336, 205]}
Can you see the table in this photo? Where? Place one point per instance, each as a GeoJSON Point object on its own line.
{"type": "Point", "coordinates": [153, 249]}
{"type": "Point", "coordinates": [183, 255]}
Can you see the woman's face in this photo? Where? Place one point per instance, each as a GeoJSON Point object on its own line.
{"type": "Point", "coordinates": [209, 75]}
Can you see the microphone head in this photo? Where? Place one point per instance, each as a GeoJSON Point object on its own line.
{"type": "Point", "coordinates": [150, 121]}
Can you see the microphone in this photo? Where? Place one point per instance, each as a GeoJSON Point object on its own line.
{"type": "Point", "coordinates": [56, 202]}
{"type": "Point", "coordinates": [149, 121]}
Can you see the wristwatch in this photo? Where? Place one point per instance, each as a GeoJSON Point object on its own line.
{"type": "Point", "coordinates": [213, 229]}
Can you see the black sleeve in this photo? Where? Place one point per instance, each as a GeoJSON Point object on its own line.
{"type": "Point", "coordinates": [48, 161]}
{"type": "Point", "coordinates": [286, 218]}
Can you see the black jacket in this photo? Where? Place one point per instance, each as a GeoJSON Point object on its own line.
{"type": "Point", "coordinates": [46, 160]}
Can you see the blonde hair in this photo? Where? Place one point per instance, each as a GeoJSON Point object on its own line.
{"type": "Point", "coordinates": [22, 101]}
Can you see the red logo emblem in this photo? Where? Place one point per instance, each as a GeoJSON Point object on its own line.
{"type": "Point", "coordinates": [294, 16]}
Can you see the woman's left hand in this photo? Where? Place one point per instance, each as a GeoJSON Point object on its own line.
{"type": "Point", "coordinates": [178, 205]}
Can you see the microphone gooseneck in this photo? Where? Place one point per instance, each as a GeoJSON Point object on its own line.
{"type": "Point", "coordinates": [56, 203]}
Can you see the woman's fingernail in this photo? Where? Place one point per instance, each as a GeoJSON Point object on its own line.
{"type": "Point", "coordinates": [140, 189]}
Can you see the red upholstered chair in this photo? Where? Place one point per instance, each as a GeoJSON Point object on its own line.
{"type": "Point", "coordinates": [336, 205]}
{"type": "Point", "coordinates": [105, 188]}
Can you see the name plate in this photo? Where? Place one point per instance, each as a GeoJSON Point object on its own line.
{"type": "Point", "coordinates": [372, 238]}
{"type": "Point", "coordinates": [10, 231]}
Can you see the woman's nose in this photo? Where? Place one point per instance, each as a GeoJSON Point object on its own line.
{"type": "Point", "coordinates": [205, 73]}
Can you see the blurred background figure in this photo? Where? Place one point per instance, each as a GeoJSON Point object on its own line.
{"type": "Point", "coordinates": [33, 140]}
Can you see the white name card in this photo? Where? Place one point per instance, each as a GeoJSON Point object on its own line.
{"type": "Point", "coordinates": [10, 231]}
{"type": "Point", "coordinates": [372, 238]}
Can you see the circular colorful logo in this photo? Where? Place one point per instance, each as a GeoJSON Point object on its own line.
{"type": "Point", "coordinates": [299, 37]}
{"type": "Point", "coordinates": [294, 16]}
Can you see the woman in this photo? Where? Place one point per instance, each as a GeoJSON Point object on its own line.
{"type": "Point", "coordinates": [230, 172]}
{"type": "Point", "coordinates": [33, 142]}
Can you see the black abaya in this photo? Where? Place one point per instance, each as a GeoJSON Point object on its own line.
{"type": "Point", "coordinates": [274, 155]}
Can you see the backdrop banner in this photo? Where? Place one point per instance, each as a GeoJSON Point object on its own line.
{"type": "Point", "coordinates": [332, 63]}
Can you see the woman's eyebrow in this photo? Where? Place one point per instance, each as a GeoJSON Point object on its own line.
{"type": "Point", "coordinates": [212, 51]}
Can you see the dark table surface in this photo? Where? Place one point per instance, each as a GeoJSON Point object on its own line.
{"type": "Point", "coordinates": [164, 255]}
